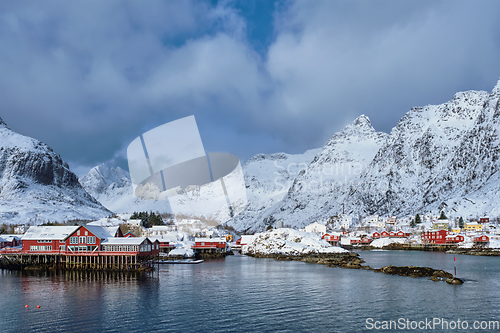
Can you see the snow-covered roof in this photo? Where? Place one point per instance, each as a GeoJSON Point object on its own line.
{"type": "Point", "coordinates": [112, 230]}
{"type": "Point", "coordinates": [124, 241]}
{"type": "Point", "coordinates": [9, 238]}
{"type": "Point", "coordinates": [162, 239]}
{"type": "Point", "coordinates": [161, 227]}
{"type": "Point", "coordinates": [49, 232]}
{"type": "Point", "coordinates": [98, 231]}
{"type": "Point", "coordinates": [207, 240]}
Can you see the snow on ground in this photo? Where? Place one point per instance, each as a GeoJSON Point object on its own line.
{"type": "Point", "coordinates": [494, 243]}
{"type": "Point", "coordinates": [183, 249]}
{"type": "Point", "coordinates": [381, 242]}
{"type": "Point", "coordinates": [288, 241]}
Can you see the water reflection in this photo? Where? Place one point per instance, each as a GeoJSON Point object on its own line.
{"type": "Point", "coordinates": [247, 294]}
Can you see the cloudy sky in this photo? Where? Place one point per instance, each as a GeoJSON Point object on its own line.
{"type": "Point", "coordinates": [88, 77]}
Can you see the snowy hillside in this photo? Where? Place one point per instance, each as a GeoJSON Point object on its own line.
{"type": "Point", "coordinates": [267, 179]}
{"type": "Point", "coordinates": [113, 189]}
{"type": "Point", "coordinates": [36, 185]}
{"type": "Point", "coordinates": [437, 157]}
{"type": "Point", "coordinates": [319, 190]}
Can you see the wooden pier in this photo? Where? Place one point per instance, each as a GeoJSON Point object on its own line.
{"type": "Point", "coordinates": [84, 261]}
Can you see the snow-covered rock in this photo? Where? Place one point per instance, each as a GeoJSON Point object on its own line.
{"type": "Point", "coordinates": [381, 242]}
{"type": "Point", "coordinates": [36, 185]}
{"type": "Point", "coordinates": [288, 242]}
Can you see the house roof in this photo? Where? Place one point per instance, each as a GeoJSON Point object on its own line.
{"type": "Point", "coordinates": [112, 230]}
{"type": "Point", "coordinates": [124, 241]}
{"type": "Point", "coordinates": [100, 232]}
{"type": "Point", "coordinates": [49, 232]}
{"type": "Point", "coordinates": [9, 238]}
{"type": "Point", "coordinates": [208, 240]}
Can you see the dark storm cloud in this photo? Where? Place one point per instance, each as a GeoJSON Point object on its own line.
{"type": "Point", "coordinates": [88, 77]}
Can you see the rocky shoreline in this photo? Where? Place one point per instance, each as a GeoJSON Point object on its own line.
{"type": "Point", "coordinates": [352, 260]}
{"type": "Point", "coordinates": [476, 252]}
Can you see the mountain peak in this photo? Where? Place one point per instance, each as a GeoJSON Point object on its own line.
{"type": "Point", "coordinates": [2, 123]}
{"type": "Point", "coordinates": [361, 121]}
{"type": "Point", "coordinates": [496, 89]}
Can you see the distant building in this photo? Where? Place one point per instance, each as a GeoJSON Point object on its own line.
{"type": "Point", "coordinates": [345, 221]}
{"type": "Point", "coordinates": [454, 239]}
{"type": "Point", "coordinates": [484, 220]}
{"type": "Point", "coordinates": [315, 227]}
{"type": "Point", "coordinates": [435, 236]}
{"type": "Point", "coordinates": [332, 238]}
{"type": "Point", "coordinates": [440, 224]}
{"type": "Point", "coordinates": [391, 220]}
{"type": "Point", "coordinates": [244, 240]}
{"type": "Point", "coordinates": [21, 229]}
{"type": "Point", "coordinates": [481, 240]}
{"type": "Point", "coordinates": [473, 226]}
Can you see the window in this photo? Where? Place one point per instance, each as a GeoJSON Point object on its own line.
{"type": "Point", "coordinates": [90, 240]}
{"type": "Point", "coordinates": [62, 248]}
{"type": "Point", "coordinates": [44, 241]}
{"type": "Point", "coordinates": [82, 239]}
{"type": "Point", "coordinates": [40, 248]}
{"type": "Point", "coordinates": [73, 240]}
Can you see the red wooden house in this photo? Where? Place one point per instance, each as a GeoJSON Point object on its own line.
{"type": "Point", "coordinates": [435, 236]}
{"type": "Point", "coordinates": [141, 246]}
{"type": "Point", "coordinates": [484, 220]}
{"type": "Point", "coordinates": [376, 234]}
{"type": "Point", "coordinates": [166, 244]}
{"type": "Point", "coordinates": [453, 239]}
{"type": "Point", "coordinates": [366, 240]}
{"type": "Point", "coordinates": [332, 238]}
{"type": "Point", "coordinates": [9, 241]}
{"type": "Point", "coordinates": [481, 240]}
{"type": "Point", "coordinates": [44, 239]}
{"type": "Point", "coordinates": [384, 234]}
{"type": "Point", "coordinates": [210, 245]}
{"type": "Point", "coordinates": [402, 234]}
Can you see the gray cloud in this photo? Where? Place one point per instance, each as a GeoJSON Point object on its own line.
{"type": "Point", "coordinates": [88, 77]}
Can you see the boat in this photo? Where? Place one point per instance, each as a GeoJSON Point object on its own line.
{"type": "Point", "coordinates": [184, 261]}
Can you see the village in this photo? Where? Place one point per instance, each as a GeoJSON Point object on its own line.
{"type": "Point", "coordinates": [111, 244]}
{"type": "Point", "coordinates": [428, 232]}
{"type": "Point", "coordinates": [122, 243]}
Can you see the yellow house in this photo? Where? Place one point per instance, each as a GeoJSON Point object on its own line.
{"type": "Point", "coordinates": [473, 226]}
{"type": "Point", "coordinates": [456, 231]}
{"type": "Point", "coordinates": [440, 224]}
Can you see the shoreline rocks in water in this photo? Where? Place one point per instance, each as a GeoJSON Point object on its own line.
{"type": "Point", "coordinates": [415, 271]}
{"type": "Point", "coordinates": [343, 260]}
{"type": "Point", "coordinates": [476, 252]}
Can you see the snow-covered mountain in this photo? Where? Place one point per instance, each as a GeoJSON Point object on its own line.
{"type": "Point", "coordinates": [319, 190]}
{"type": "Point", "coordinates": [112, 187]}
{"type": "Point", "coordinates": [437, 157]}
{"type": "Point", "coordinates": [36, 184]}
{"type": "Point", "coordinates": [267, 179]}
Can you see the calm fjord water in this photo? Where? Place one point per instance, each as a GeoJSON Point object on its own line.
{"type": "Point", "coordinates": [249, 295]}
